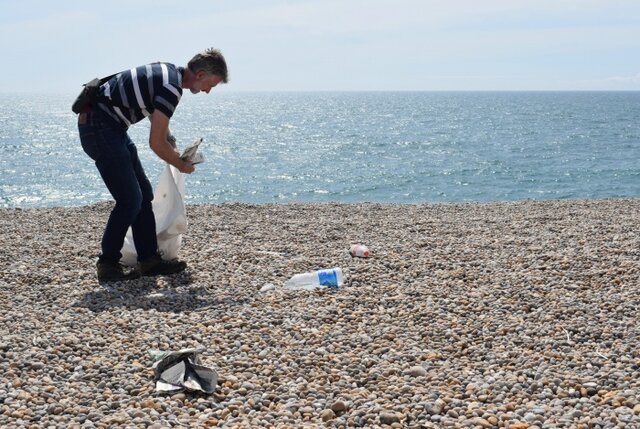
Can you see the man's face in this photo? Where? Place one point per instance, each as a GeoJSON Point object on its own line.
{"type": "Point", "coordinates": [204, 82]}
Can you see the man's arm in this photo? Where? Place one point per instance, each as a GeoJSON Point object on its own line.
{"type": "Point", "coordinates": [158, 141]}
{"type": "Point", "coordinates": [170, 138]}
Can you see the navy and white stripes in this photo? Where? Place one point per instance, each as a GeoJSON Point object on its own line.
{"type": "Point", "coordinates": [134, 94]}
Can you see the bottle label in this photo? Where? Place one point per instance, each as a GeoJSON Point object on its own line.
{"type": "Point", "coordinates": [328, 278]}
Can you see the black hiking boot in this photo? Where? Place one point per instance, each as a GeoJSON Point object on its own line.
{"type": "Point", "coordinates": [109, 271]}
{"type": "Point", "coordinates": [156, 266]}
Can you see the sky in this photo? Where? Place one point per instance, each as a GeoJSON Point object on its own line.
{"type": "Point", "coordinates": [344, 45]}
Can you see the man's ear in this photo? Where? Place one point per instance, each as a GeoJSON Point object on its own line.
{"type": "Point", "coordinates": [200, 74]}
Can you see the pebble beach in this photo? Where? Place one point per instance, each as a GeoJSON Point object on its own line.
{"type": "Point", "coordinates": [520, 315]}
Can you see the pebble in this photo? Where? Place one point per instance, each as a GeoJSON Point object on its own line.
{"type": "Point", "coordinates": [478, 421]}
{"type": "Point", "coordinates": [338, 407]}
{"type": "Point", "coordinates": [387, 418]}
{"type": "Point", "coordinates": [416, 371]}
{"type": "Point", "coordinates": [327, 415]}
{"type": "Point", "coordinates": [179, 397]}
{"type": "Point", "coordinates": [517, 315]}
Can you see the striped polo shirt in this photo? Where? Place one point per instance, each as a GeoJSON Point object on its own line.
{"type": "Point", "coordinates": [134, 94]}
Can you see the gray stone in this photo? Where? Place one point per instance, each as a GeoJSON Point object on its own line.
{"type": "Point", "coordinates": [387, 418]}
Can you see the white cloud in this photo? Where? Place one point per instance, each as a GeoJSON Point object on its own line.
{"type": "Point", "coordinates": [625, 79]}
{"type": "Point", "coordinates": [630, 82]}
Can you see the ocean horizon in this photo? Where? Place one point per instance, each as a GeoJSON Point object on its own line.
{"type": "Point", "coordinates": [348, 146]}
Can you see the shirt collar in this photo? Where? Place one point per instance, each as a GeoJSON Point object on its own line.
{"type": "Point", "coordinates": [180, 75]}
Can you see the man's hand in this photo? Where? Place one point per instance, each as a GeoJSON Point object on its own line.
{"type": "Point", "coordinates": [186, 167]}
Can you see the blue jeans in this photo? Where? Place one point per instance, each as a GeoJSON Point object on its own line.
{"type": "Point", "coordinates": [117, 160]}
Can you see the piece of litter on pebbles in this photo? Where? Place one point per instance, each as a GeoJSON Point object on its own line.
{"type": "Point", "coordinates": [416, 371]}
{"type": "Point", "coordinates": [267, 287]}
{"type": "Point", "coordinates": [155, 295]}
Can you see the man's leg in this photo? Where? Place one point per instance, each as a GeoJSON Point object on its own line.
{"type": "Point", "coordinates": [143, 226]}
{"type": "Point", "coordinates": [104, 145]}
{"type": "Point", "coordinates": [118, 173]}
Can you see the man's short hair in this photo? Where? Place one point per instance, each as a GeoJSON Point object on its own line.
{"type": "Point", "coordinates": [212, 62]}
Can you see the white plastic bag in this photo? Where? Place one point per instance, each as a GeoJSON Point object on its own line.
{"type": "Point", "coordinates": [170, 214]}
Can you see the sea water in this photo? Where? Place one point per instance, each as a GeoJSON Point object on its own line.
{"type": "Point", "coordinates": [390, 147]}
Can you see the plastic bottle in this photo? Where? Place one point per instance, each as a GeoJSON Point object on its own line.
{"type": "Point", "coordinates": [359, 250]}
{"type": "Point", "coordinates": [332, 278]}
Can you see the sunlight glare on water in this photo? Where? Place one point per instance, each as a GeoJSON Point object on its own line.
{"type": "Point", "coordinates": [393, 147]}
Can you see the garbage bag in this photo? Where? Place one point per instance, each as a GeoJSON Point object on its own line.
{"type": "Point", "coordinates": [182, 370]}
{"type": "Point", "coordinates": [170, 214]}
